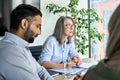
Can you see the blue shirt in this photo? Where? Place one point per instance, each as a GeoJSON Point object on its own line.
{"type": "Point", "coordinates": [16, 61]}
{"type": "Point", "coordinates": [53, 51]}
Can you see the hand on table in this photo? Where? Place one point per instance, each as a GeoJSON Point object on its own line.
{"type": "Point", "coordinates": [76, 60]}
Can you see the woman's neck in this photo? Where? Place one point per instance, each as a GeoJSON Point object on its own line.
{"type": "Point", "coordinates": [64, 38]}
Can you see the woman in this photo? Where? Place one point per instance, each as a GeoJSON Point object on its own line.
{"type": "Point", "coordinates": [60, 45]}
{"type": "Point", "coordinates": [109, 68]}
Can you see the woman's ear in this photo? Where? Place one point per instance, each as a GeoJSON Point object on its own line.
{"type": "Point", "coordinates": [24, 23]}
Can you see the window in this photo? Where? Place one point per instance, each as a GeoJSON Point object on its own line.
{"type": "Point", "coordinates": [35, 3]}
{"type": "Point", "coordinates": [105, 9]}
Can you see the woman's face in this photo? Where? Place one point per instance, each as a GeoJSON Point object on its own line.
{"type": "Point", "coordinates": [69, 27]}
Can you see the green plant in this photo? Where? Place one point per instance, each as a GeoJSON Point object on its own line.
{"type": "Point", "coordinates": [83, 19]}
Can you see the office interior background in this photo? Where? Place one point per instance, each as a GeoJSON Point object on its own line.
{"type": "Point", "coordinates": [103, 7]}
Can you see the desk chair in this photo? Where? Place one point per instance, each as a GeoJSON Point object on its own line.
{"type": "Point", "coordinates": [36, 51]}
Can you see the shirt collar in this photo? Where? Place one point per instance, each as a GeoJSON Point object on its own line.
{"type": "Point", "coordinates": [16, 40]}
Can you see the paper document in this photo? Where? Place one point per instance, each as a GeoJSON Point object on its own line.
{"type": "Point", "coordinates": [77, 69]}
{"type": "Point", "coordinates": [87, 65]}
{"type": "Point", "coordinates": [72, 70]}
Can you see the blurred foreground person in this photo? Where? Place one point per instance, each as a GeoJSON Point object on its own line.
{"type": "Point", "coordinates": [108, 68]}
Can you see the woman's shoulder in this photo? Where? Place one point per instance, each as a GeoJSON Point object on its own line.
{"type": "Point", "coordinates": [50, 41]}
{"type": "Point", "coordinates": [51, 38]}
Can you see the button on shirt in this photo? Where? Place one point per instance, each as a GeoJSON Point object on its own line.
{"type": "Point", "coordinates": [53, 51]}
{"type": "Point", "coordinates": [16, 61]}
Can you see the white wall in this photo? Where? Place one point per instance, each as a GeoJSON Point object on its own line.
{"type": "Point", "coordinates": [49, 20]}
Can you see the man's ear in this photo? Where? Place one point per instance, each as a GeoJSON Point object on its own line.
{"type": "Point", "coordinates": [24, 23]}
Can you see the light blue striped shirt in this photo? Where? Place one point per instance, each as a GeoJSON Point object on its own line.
{"type": "Point", "coordinates": [16, 61]}
{"type": "Point", "coordinates": [53, 51]}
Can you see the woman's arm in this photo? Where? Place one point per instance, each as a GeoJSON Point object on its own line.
{"type": "Point", "coordinates": [52, 65]}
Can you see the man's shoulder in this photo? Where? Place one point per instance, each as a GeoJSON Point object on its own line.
{"type": "Point", "coordinates": [4, 44]}
{"type": "Point", "coordinates": [7, 48]}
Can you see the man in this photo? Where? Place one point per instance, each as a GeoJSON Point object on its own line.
{"type": "Point", "coordinates": [16, 61]}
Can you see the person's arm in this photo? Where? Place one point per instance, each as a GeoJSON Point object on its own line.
{"type": "Point", "coordinates": [74, 55]}
{"type": "Point", "coordinates": [47, 51]}
{"type": "Point", "coordinates": [49, 57]}
{"type": "Point", "coordinates": [42, 72]}
{"type": "Point", "coordinates": [44, 75]}
{"type": "Point", "coordinates": [52, 65]}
